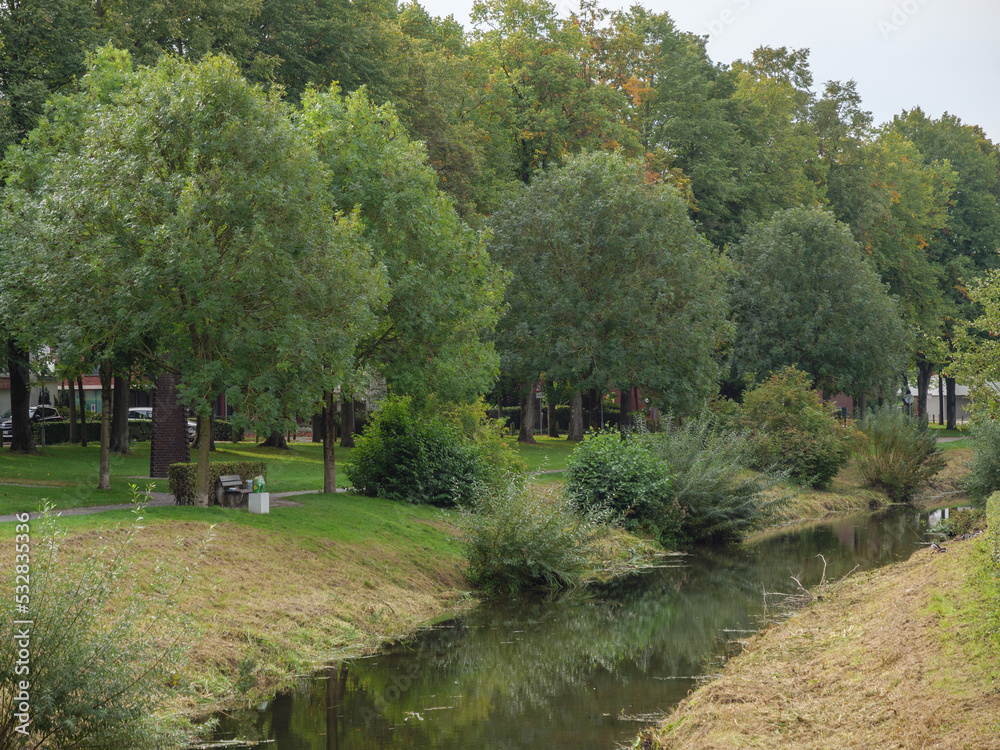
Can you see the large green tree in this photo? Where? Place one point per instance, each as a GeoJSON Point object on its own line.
{"type": "Point", "coordinates": [444, 290]}
{"type": "Point", "coordinates": [611, 284]}
{"type": "Point", "coordinates": [180, 212]}
{"type": "Point", "coordinates": [804, 295]}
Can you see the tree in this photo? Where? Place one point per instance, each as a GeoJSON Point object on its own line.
{"type": "Point", "coordinates": [189, 221]}
{"type": "Point", "coordinates": [805, 296]}
{"type": "Point", "coordinates": [444, 291]}
{"type": "Point", "coordinates": [678, 101]}
{"type": "Point", "coordinates": [544, 84]}
{"type": "Point", "coordinates": [966, 246]}
{"type": "Point", "coordinates": [611, 284]}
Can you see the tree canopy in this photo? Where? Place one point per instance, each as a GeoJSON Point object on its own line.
{"type": "Point", "coordinates": [611, 284]}
{"type": "Point", "coordinates": [805, 296]}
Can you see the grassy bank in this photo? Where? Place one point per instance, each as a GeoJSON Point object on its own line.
{"type": "Point", "coordinates": [281, 594]}
{"type": "Point", "coordinates": [851, 672]}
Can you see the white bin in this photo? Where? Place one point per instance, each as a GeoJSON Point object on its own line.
{"type": "Point", "coordinates": [260, 502]}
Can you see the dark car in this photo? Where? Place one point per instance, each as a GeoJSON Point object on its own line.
{"type": "Point", "coordinates": [35, 414]}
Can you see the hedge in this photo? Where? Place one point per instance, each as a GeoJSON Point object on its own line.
{"type": "Point", "coordinates": [181, 477]}
{"type": "Point", "coordinates": [139, 430]}
{"type": "Point", "coordinates": [993, 524]}
{"type": "Point", "coordinates": [58, 432]}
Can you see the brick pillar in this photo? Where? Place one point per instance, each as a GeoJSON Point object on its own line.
{"type": "Point", "coordinates": [169, 444]}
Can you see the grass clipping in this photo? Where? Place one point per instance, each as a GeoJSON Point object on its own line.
{"type": "Point", "coordinates": [885, 662]}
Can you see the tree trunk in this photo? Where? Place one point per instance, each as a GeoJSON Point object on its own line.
{"type": "Point", "coordinates": [575, 433]}
{"type": "Point", "coordinates": [527, 432]}
{"type": "Point", "coordinates": [625, 419]}
{"type": "Point", "coordinates": [553, 426]}
{"type": "Point", "coordinates": [83, 411]}
{"type": "Point", "coordinates": [924, 371]}
{"type": "Point", "coordinates": [317, 425]}
{"type": "Point", "coordinates": [72, 410]}
{"type": "Point", "coordinates": [347, 424]}
{"type": "Point", "coordinates": [203, 437]}
{"type": "Point", "coordinates": [595, 409]}
{"type": "Point", "coordinates": [22, 437]}
{"type": "Point", "coordinates": [329, 425]}
{"type": "Point", "coordinates": [119, 416]}
{"type": "Point", "coordinates": [104, 479]}
{"type": "Point", "coordinates": [276, 440]}
{"type": "Point", "coordinates": [940, 399]}
{"type": "Point", "coordinates": [951, 405]}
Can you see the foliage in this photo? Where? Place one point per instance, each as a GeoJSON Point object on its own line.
{"type": "Point", "coordinates": [899, 456]}
{"type": "Point", "coordinates": [977, 355]}
{"type": "Point", "coordinates": [624, 474]}
{"type": "Point", "coordinates": [805, 296]}
{"type": "Point", "coordinates": [106, 643]}
{"type": "Point", "coordinates": [475, 425]}
{"type": "Point", "coordinates": [795, 430]}
{"type": "Point", "coordinates": [444, 291]}
{"type": "Point", "coordinates": [519, 538]}
{"type": "Point", "coordinates": [983, 478]}
{"type": "Point", "coordinates": [181, 477]}
{"type": "Point", "coordinates": [410, 455]}
{"type": "Point", "coordinates": [188, 216]}
{"type": "Point", "coordinates": [603, 263]}
{"type": "Point", "coordinates": [58, 432]}
{"type": "Point", "coordinates": [712, 480]}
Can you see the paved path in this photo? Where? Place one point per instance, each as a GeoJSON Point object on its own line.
{"type": "Point", "coordinates": [949, 439]}
{"type": "Point", "coordinates": [160, 499]}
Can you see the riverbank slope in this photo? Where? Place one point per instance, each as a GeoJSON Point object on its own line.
{"type": "Point", "coordinates": [905, 656]}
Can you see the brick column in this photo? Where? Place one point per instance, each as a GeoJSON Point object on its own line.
{"type": "Point", "coordinates": [169, 444]}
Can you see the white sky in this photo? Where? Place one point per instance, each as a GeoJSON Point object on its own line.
{"type": "Point", "coordinates": [940, 55]}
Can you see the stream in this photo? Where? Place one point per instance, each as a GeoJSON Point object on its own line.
{"type": "Point", "coordinates": [581, 671]}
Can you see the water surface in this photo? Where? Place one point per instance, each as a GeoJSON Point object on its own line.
{"type": "Point", "coordinates": [577, 672]}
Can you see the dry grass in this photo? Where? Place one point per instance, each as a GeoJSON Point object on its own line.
{"type": "Point", "coordinates": [268, 607]}
{"type": "Point", "coordinates": [869, 667]}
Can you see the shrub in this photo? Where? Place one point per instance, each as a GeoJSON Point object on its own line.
{"type": "Point", "coordinates": [984, 468]}
{"type": "Point", "coordinates": [414, 457]}
{"type": "Point", "coordinates": [181, 477]}
{"type": "Point", "coordinates": [57, 433]}
{"type": "Point", "coordinates": [794, 430]}
{"type": "Point", "coordinates": [105, 641]}
{"type": "Point", "coordinates": [521, 538]}
{"type": "Point", "coordinates": [625, 475]}
{"type": "Point", "coordinates": [900, 455]}
{"type": "Point", "coordinates": [712, 480]}
{"type": "Point", "coordinates": [474, 424]}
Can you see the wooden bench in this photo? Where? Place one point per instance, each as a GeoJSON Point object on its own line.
{"type": "Point", "coordinates": [230, 492]}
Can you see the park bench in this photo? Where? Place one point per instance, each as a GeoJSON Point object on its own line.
{"type": "Point", "coordinates": [230, 492]}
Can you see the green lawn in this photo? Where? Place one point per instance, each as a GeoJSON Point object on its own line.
{"type": "Point", "coordinates": [548, 455]}
{"type": "Point", "coordinates": [67, 474]}
{"type": "Point", "coordinates": [941, 431]}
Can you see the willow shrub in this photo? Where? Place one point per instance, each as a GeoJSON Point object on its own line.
{"type": "Point", "coordinates": [713, 481]}
{"type": "Point", "coordinates": [899, 455]}
{"type": "Point", "coordinates": [107, 642]}
{"type": "Point", "coordinates": [519, 538]}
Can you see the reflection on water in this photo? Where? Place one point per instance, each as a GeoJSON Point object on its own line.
{"type": "Point", "coordinates": [572, 673]}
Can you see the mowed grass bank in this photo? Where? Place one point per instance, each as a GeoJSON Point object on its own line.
{"type": "Point", "coordinates": [906, 656]}
{"type": "Point", "coordinates": [279, 595]}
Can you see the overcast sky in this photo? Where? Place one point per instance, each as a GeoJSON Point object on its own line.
{"type": "Point", "coordinates": [940, 55]}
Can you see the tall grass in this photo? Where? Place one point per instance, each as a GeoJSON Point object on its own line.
{"type": "Point", "coordinates": [520, 538]}
{"type": "Point", "coordinates": [900, 455]}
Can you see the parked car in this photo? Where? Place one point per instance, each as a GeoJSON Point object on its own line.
{"type": "Point", "coordinates": [35, 414]}
{"type": "Point", "coordinates": [146, 412]}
